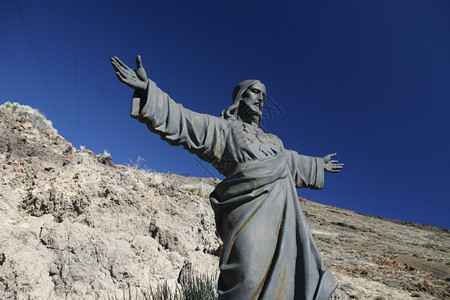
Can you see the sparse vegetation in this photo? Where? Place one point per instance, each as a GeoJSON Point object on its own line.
{"type": "Point", "coordinates": [32, 115]}
{"type": "Point", "coordinates": [138, 164]}
{"type": "Point", "coordinates": [197, 287]}
{"type": "Point", "coordinates": [192, 286]}
{"type": "Point", "coordinates": [105, 158]}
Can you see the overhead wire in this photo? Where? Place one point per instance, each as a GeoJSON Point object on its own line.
{"type": "Point", "coordinates": [39, 63]}
{"type": "Point", "coordinates": [69, 100]}
{"type": "Point", "coordinates": [27, 67]}
{"type": "Point", "coordinates": [76, 70]}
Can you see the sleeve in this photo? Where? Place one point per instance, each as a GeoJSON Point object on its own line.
{"type": "Point", "coordinates": [200, 134]}
{"type": "Point", "coordinates": [307, 171]}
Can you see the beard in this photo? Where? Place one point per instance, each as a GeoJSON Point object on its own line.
{"type": "Point", "coordinates": [250, 114]}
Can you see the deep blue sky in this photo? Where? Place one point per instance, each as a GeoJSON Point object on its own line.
{"type": "Point", "coordinates": [367, 79]}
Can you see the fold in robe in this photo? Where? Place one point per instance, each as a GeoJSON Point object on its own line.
{"type": "Point", "coordinates": [268, 251]}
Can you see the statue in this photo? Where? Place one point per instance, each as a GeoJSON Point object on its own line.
{"type": "Point", "coordinates": [268, 249]}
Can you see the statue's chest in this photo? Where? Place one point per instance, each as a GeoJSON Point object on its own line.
{"type": "Point", "coordinates": [259, 142]}
{"type": "Point", "coordinates": [246, 144]}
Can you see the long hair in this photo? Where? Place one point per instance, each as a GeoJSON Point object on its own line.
{"type": "Point", "coordinates": [231, 112]}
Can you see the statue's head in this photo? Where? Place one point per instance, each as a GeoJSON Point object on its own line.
{"type": "Point", "coordinates": [247, 104]}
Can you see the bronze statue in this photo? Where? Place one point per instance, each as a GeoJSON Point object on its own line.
{"type": "Point", "coordinates": [268, 250]}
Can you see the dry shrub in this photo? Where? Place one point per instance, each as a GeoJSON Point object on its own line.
{"type": "Point", "coordinates": [29, 114]}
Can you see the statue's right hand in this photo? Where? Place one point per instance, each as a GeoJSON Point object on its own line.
{"type": "Point", "coordinates": [332, 166]}
{"type": "Point", "coordinates": [135, 79]}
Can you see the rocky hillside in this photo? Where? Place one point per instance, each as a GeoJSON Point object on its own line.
{"type": "Point", "coordinates": [73, 225]}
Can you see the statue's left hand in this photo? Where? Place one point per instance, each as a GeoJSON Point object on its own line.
{"type": "Point", "coordinates": [135, 79]}
{"type": "Point", "coordinates": [332, 166]}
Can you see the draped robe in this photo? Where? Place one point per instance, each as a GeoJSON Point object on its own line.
{"type": "Point", "coordinates": [268, 250]}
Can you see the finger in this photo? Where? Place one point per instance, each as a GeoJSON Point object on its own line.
{"type": "Point", "coordinates": [119, 68]}
{"type": "Point", "coordinates": [332, 154]}
{"type": "Point", "coordinates": [121, 63]}
{"type": "Point", "coordinates": [334, 161]}
{"type": "Point", "coordinates": [115, 60]}
{"type": "Point", "coordinates": [120, 77]}
{"type": "Point", "coordinates": [113, 63]}
{"type": "Point", "coordinates": [139, 61]}
{"type": "Point", "coordinates": [123, 73]}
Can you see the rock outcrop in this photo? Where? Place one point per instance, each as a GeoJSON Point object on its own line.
{"type": "Point", "coordinates": [73, 225]}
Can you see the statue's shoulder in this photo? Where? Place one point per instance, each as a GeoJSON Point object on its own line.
{"type": "Point", "coordinates": [273, 137]}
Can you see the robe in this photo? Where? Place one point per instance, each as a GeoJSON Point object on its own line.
{"type": "Point", "coordinates": [268, 250]}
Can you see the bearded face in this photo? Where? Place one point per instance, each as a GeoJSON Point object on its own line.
{"type": "Point", "coordinates": [251, 104]}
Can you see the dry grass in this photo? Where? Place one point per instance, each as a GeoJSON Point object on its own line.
{"type": "Point", "coordinates": [29, 114]}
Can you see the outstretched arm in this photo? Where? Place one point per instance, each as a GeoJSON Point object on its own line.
{"type": "Point", "coordinates": [308, 171]}
{"type": "Point", "coordinates": [332, 166]}
{"type": "Point", "coordinates": [200, 134]}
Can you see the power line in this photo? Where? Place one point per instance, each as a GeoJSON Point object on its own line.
{"type": "Point", "coordinates": [27, 67]}
{"type": "Point", "coordinates": [76, 68]}
{"type": "Point", "coordinates": [66, 67]}
{"type": "Point", "coordinates": [38, 62]}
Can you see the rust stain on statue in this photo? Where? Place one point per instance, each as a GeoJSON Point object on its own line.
{"type": "Point", "coordinates": [236, 234]}
{"type": "Point", "coordinates": [257, 292]}
{"type": "Point", "coordinates": [281, 289]}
